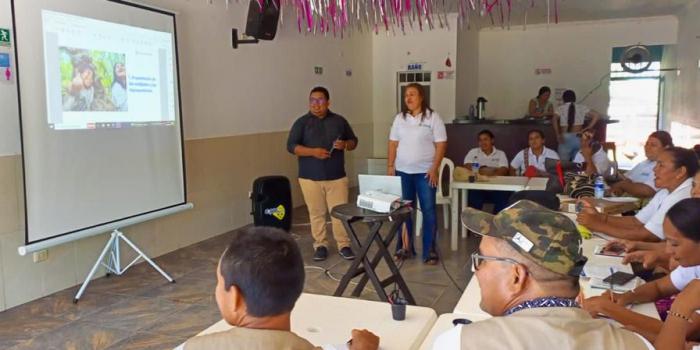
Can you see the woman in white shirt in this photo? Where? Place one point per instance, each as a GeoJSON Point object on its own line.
{"type": "Point", "coordinates": [531, 161]}
{"type": "Point", "coordinates": [682, 230]}
{"type": "Point", "coordinates": [673, 173]}
{"type": "Point", "coordinates": [568, 124]}
{"type": "Point", "coordinates": [639, 182]}
{"type": "Point", "coordinates": [593, 156]}
{"type": "Point", "coordinates": [417, 144]}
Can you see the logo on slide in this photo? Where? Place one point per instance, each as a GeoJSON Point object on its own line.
{"type": "Point", "coordinates": [278, 212]}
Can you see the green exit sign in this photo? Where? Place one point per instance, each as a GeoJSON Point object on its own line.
{"type": "Point", "coordinates": [4, 37]}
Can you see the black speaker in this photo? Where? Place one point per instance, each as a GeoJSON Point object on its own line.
{"type": "Point", "coordinates": [262, 24]}
{"type": "Point", "coordinates": [272, 202]}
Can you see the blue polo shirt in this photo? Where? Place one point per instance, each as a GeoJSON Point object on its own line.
{"type": "Point", "coordinates": [314, 132]}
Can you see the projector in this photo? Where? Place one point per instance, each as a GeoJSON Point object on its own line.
{"type": "Point", "coordinates": [378, 201]}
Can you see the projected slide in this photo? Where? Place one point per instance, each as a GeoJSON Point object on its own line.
{"type": "Point", "coordinates": [106, 75]}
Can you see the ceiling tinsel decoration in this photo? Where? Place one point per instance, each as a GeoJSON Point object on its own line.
{"type": "Point", "coordinates": [341, 17]}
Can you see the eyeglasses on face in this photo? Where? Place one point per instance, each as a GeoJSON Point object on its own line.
{"type": "Point", "coordinates": [478, 259]}
{"type": "Point", "coordinates": [317, 101]}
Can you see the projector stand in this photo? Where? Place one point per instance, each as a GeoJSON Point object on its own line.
{"type": "Point", "coordinates": [113, 265]}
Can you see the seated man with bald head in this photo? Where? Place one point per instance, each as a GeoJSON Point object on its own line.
{"type": "Point", "coordinates": [259, 279]}
{"type": "Point", "coordinates": [528, 268]}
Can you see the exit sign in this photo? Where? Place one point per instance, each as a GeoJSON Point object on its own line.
{"type": "Point", "coordinates": [4, 37]}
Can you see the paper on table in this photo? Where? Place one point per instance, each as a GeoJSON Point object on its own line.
{"type": "Point", "coordinates": [596, 271]}
{"type": "Point", "coordinates": [598, 283]}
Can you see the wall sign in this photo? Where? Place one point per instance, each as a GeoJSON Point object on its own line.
{"type": "Point", "coordinates": [5, 37]}
{"type": "Point", "coordinates": [5, 69]}
{"type": "Point", "coordinates": [415, 66]}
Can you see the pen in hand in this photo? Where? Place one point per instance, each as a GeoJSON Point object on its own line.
{"type": "Point", "coordinates": [612, 298]}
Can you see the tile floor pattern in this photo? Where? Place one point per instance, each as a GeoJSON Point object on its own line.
{"type": "Point", "coordinates": [141, 310]}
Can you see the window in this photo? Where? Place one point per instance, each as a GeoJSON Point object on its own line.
{"type": "Point", "coordinates": [634, 102]}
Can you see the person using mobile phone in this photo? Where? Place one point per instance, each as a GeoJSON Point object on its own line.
{"type": "Point", "coordinates": [682, 229]}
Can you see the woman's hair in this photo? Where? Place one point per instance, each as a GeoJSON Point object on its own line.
{"type": "Point", "coordinates": [570, 96]}
{"type": "Point", "coordinates": [663, 137]}
{"type": "Point", "coordinates": [544, 90]}
{"type": "Point", "coordinates": [684, 216]}
{"type": "Point", "coordinates": [424, 108]}
{"type": "Point", "coordinates": [683, 157]}
{"type": "Point", "coordinates": [117, 80]}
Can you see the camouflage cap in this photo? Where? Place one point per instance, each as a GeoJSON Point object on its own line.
{"type": "Point", "coordinates": [548, 238]}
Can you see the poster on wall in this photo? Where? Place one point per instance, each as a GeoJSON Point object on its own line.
{"type": "Point", "coordinates": [5, 67]}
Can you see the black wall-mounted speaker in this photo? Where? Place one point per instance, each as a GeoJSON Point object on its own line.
{"type": "Point", "coordinates": [262, 24]}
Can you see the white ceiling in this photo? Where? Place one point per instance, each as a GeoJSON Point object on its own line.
{"type": "Point", "coordinates": [586, 10]}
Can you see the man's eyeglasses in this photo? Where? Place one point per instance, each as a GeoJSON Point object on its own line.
{"type": "Point", "coordinates": [477, 259]}
{"type": "Point", "coordinates": [317, 101]}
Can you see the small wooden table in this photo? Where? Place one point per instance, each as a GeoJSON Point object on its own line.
{"type": "Point", "coordinates": [349, 214]}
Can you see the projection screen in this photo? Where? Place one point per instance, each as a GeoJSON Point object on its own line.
{"type": "Point", "coordinates": [101, 126]}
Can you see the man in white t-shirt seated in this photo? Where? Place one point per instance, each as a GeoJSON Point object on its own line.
{"type": "Point", "coordinates": [531, 161]}
{"type": "Point", "coordinates": [592, 156]}
{"type": "Point", "coordinates": [528, 268]}
{"type": "Point", "coordinates": [492, 162]}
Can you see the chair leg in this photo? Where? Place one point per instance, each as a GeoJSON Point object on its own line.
{"type": "Point", "coordinates": [446, 215]}
{"type": "Point", "coordinates": [419, 222]}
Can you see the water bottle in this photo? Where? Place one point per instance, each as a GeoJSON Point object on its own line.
{"type": "Point", "coordinates": [475, 167]}
{"type": "Point", "coordinates": [599, 190]}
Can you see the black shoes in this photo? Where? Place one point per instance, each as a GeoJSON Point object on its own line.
{"type": "Point", "coordinates": [346, 253]}
{"type": "Point", "coordinates": [320, 254]}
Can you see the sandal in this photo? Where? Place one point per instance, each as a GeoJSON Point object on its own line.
{"type": "Point", "coordinates": [403, 255]}
{"type": "Point", "coordinates": [432, 259]}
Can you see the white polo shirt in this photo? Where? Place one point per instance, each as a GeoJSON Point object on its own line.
{"type": "Point", "coordinates": [600, 160]}
{"type": "Point", "coordinates": [682, 276]}
{"type": "Point", "coordinates": [496, 159]}
{"type": "Point", "coordinates": [518, 162]}
{"type": "Point", "coordinates": [653, 214]}
{"type": "Point", "coordinates": [643, 173]}
{"type": "Point", "coordinates": [417, 140]}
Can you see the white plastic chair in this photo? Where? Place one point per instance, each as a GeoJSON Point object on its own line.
{"type": "Point", "coordinates": [440, 197]}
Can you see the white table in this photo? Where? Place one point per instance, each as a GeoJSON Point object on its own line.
{"type": "Point", "coordinates": [469, 302]}
{"type": "Point", "coordinates": [327, 320]}
{"type": "Point", "coordinates": [443, 324]}
{"type": "Point", "coordinates": [492, 183]}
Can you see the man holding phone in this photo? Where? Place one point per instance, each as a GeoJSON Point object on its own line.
{"type": "Point", "coordinates": [319, 139]}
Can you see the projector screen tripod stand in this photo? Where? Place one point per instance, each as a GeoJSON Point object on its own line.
{"type": "Point", "coordinates": [111, 252]}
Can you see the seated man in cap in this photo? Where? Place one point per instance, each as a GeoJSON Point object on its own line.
{"type": "Point", "coordinates": [259, 279]}
{"type": "Point", "coordinates": [528, 268]}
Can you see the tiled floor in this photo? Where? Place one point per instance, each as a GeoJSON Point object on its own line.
{"type": "Point", "coordinates": [140, 310]}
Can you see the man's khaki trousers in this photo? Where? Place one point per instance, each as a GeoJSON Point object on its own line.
{"type": "Point", "coordinates": [320, 198]}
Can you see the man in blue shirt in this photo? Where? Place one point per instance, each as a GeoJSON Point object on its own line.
{"type": "Point", "coordinates": [319, 139]}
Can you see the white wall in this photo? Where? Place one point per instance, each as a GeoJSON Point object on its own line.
{"type": "Point", "coordinates": [578, 53]}
{"type": "Point", "coordinates": [467, 89]}
{"type": "Point", "coordinates": [9, 122]}
{"type": "Point", "coordinates": [392, 53]}
{"type": "Point", "coordinates": [686, 101]}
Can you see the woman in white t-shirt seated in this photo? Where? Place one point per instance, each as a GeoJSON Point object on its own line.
{"type": "Point", "coordinates": [673, 173]}
{"type": "Point", "coordinates": [568, 122]}
{"type": "Point", "coordinates": [417, 144]}
{"type": "Point", "coordinates": [531, 161]}
{"type": "Point", "coordinates": [682, 230]}
{"type": "Point", "coordinates": [639, 182]}
{"type": "Point", "coordinates": [592, 155]}
{"type": "Point", "coordinates": [651, 254]}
